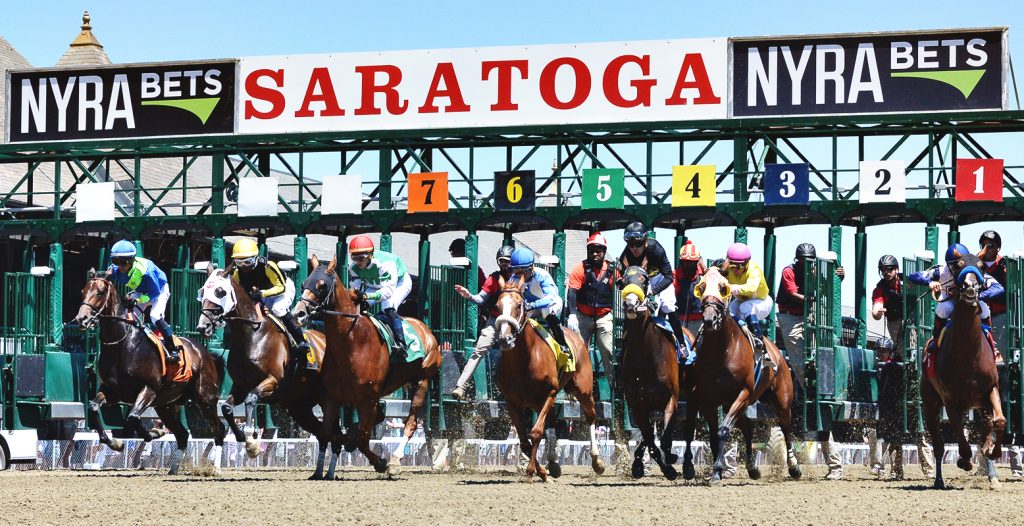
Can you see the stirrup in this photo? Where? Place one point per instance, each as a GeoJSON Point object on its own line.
{"type": "Point", "coordinates": [459, 393]}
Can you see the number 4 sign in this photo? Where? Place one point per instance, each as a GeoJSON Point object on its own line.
{"type": "Point", "coordinates": [786, 184]}
{"type": "Point", "coordinates": [693, 185]}
{"type": "Point", "coordinates": [603, 188]}
{"type": "Point", "coordinates": [428, 192]}
{"type": "Point", "coordinates": [979, 180]}
{"type": "Point", "coordinates": [883, 182]}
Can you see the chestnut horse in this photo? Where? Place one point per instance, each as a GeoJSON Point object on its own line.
{"type": "Point", "coordinates": [357, 369]}
{"type": "Point", "coordinates": [965, 378]}
{"type": "Point", "coordinates": [529, 379]}
{"type": "Point", "coordinates": [258, 358]}
{"type": "Point", "coordinates": [724, 376]}
{"type": "Point", "coordinates": [130, 371]}
{"type": "Point", "coordinates": [651, 375]}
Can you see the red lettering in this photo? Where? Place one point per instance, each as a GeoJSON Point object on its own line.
{"type": "Point", "coordinates": [257, 92]}
{"type": "Point", "coordinates": [642, 86]}
{"type": "Point", "coordinates": [505, 68]}
{"type": "Point", "coordinates": [446, 72]}
{"type": "Point", "coordinates": [547, 83]}
{"type": "Point", "coordinates": [395, 105]}
{"type": "Point", "coordinates": [693, 62]}
{"type": "Point", "coordinates": [320, 89]}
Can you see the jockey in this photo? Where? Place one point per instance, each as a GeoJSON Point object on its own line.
{"type": "Point", "coordinates": [887, 298]}
{"type": "Point", "coordinates": [541, 294]}
{"type": "Point", "coordinates": [147, 286]}
{"type": "Point", "coordinates": [648, 254]}
{"type": "Point", "coordinates": [941, 277]}
{"type": "Point", "coordinates": [384, 276]}
{"type": "Point", "coordinates": [753, 303]}
{"type": "Point", "coordinates": [268, 286]}
{"type": "Point", "coordinates": [489, 290]}
{"type": "Point", "coordinates": [687, 274]}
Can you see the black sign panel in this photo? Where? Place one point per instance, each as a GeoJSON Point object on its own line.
{"type": "Point", "coordinates": [194, 98]}
{"type": "Point", "coordinates": [892, 72]}
{"type": "Point", "coordinates": [515, 190]}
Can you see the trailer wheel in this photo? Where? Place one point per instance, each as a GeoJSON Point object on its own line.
{"type": "Point", "coordinates": [4, 464]}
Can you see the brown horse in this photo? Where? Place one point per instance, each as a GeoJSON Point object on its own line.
{"type": "Point", "coordinates": [724, 376]}
{"type": "Point", "coordinates": [130, 371]}
{"type": "Point", "coordinates": [965, 378]}
{"type": "Point", "coordinates": [651, 375]}
{"type": "Point", "coordinates": [529, 379]}
{"type": "Point", "coordinates": [258, 358]}
{"type": "Point", "coordinates": [357, 369]}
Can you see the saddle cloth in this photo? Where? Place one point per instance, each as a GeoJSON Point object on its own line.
{"type": "Point", "coordinates": [310, 354]}
{"type": "Point", "coordinates": [182, 371]}
{"type": "Point", "coordinates": [932, 346]}
{"type": "Point", "coordinates": [413, 346]}
{"type": "Point", "coordinates": [686, 353]}
{"type": "Point", "coordinates": [562, 358]}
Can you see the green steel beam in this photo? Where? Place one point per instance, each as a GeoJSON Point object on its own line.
{"type": "Point", "coordinates": [300, 252]}
{"type": "Point", "coordinates": [56, 324]}
{"type": "Point", "coordinates": [860, 272]}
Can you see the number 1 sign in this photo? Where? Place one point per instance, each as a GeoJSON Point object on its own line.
{"type": "Point", "coordinates": [883, 182]}
{"type": "Point", "coordinates": [979, 180]}
{"type": "Point", "coordinates": [787, 184]}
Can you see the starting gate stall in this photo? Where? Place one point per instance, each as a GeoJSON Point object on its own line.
{"type": "Point", "coordinates": [918, 317]}
{"type": "Point", "coordinates": [1012, 382]}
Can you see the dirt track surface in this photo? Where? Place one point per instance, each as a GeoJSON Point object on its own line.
{"type": "Point", "coordinates": [496, 497]}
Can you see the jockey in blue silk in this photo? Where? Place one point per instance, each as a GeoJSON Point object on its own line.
{"type": "Point", "coordinates": [540, 293]}
{"type": "Point", "coordinates": [941, 278]}
{"type": "Point", "coordinates": [147, 286]}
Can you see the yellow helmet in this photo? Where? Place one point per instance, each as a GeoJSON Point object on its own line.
{"type": "Point", "coordinates": [245, 248]}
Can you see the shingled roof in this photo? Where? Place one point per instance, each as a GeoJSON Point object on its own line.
{"type": "Point", "coordinates": [85, 49]}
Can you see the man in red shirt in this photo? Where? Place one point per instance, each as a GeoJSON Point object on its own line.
{"type": "Point", "coordinates": [688, 272]}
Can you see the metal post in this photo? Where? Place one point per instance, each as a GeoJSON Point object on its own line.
{"type": "Point", "coordinates": [472, 315]}
{"type": "Point", "coordinates": [341, 256]}
{"type": "Point", "coordinates": [217, 258]}
{"type": "Point", "coordinates": [300, 252]}
{"type": "Point", "coordinates": [558, 247]}
{"type": "Point", "coordinates": [769, 272]}
{"type": "Point", "coordinates": [954, 233]}
{"type": "Point", "coordinates": [56, 262]}
{"type": "Point", "coordinates": [385, 241]}
{"type": "Point", "coordinates": [739, 168]}
{"type": "Point", "coordinates": [861, 284]}
{"type": "Point", "coordinates": [931, 240]}
{"type": "Point", "coordinates": [680, 241]}
{"type": "Point", "coordinates": [739, 235]}
{"type": "Point", "coordinates": [384, 178]}
{"type": "Point", "coordinates": [835, 244]}
{"type": "Point", "coordinates": [423, 310]}
{"type": "Point", "coordinates": [217, 183]}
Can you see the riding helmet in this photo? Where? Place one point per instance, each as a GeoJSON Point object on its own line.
{"type": "Point", "coordinates": [522, 258]}
{"type": "Point", "coordinates": [634, 230]}
{"type": "Point", "coordinates": [888, 260]}
{"type": "Point", "coordinates": [458, 245]}
{"type": "Point", "coordinates": [805, 250]}
{"type": "Point", "coordinates": [123, 249]}
{"type": "Point", "coordinates": [360, 244]}
{"type": "Point", "coordinates": [505, 252]}
{"type": "Point", "coordinates": [955, 252]}
{"type": "Point", "coordinates": [884, 343]}
{"type": "Point", "coordinates": [245, 248]}
{"type": "Point", "coordinates": [992, 236]}
{"type": "Point", "coordinates": [689, 252]}
{"type": "Point", "coordinates": [738, 252]}
{"type": "Point", "coordinates": [597, 239]}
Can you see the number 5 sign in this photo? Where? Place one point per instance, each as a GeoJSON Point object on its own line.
{"type": "Point", "coordinates": [693, 185]}
{"type": "Point", "coordinates": [603, 188]}
{"type": "Point", "coordinates": [979, 180]}
{"type": "Point", "coordinates": [428, 192]}
{"type": "Point", "coordinates": [883, 182]}
{"type": "Point", "coordinates": [515, 190]}
{"type": "Point", "coordinates": [786, 184]}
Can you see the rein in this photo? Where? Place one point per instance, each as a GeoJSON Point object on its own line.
{"type": "Point", "coordinates": [320, 307]}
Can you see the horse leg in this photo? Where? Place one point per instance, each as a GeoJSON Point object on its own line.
{"type": "Point", "coordinates": [96, 422]}
{"type": "Point", "coordinates": [301, 411]}
{"type": "Point", "coordinates": [589, 410]}
{"type": "Point", "coordinates": [784, 410]}
{"type": "Point", "coordinates": [537, 433]}
{"type": "Point", "coordinates": [418, 397]}
{"type": "Point", "coordinates": [169, 415]}
{"type": "Point", "coordinates": [989, 461]}
{"type": "Point", "coordinates": [711, 417]}
{"type": "Point", "coordinates": [368, 419]}
{"type": "Point", "coordinates": [642, 420]}
{"type": "Point", "coordinates": [748, 439]}
{"type": "Point", "coordinates": [735, 410]}
{"type": "Point", "coordinates": [689, 426]}
{"type": "Point", "coordinates": [931, 406]}
{"type": "Point", "coordinates": [207, 403]}
{"type": "Point", "coordinates": [956, 425]}
{"type": "Point", "coordinates": [515, 413]}
{"type": "Point", "coordinates": [263, 390]}
{"type": "Point", "coordinates": [998, 425]}
{"type": "Point", "coordinates": [143, 401]}
{"type": "Point", "coordinates": [330, 423]}
{"type": "Point", "coordinates": [227, 411]}
{"type": "Point", "coordinates": [668, 427]}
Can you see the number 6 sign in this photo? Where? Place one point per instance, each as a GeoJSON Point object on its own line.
{"type": "Point", "coordinates": [428, 192]}
{"type": "Point", "coordinates": [603, 188]}
{"type": "Point", "coordinates": [515, 190]}
{"type": "Point", "coordinates": [979, 180]}
{"type": "Point", "coordinates": [786, 184]}
{"type": "Point", "coordinates": [883, 182]}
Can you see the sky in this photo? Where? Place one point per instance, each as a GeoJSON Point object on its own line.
{"type": "Point", "coordinates": [185, 30]}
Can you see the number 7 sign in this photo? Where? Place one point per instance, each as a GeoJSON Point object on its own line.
{"type": "Point", "coordinates": [979, 180]}
{"type": "Point", "coordinates": [428, 192]}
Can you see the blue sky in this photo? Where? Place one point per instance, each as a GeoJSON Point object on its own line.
{"type": "Point", "coordinates": [185, 30]}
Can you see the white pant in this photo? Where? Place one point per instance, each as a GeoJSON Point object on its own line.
{"type": "Point", "coordinates": [945, 309]}
{"type": "Point", "coordinates": [280, 305]}
{"type": "Point", "coordinates": [744, 308]}
{"type": "Point", "coordinates": [401, 292]}
{"type": "Point", "coordinates": [159, 303]}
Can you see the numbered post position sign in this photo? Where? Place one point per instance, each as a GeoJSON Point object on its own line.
{"type": "Point", "coordinates": [515, 190]}
{"type": "Point", "coordinates": [603, 188]}
{"type": "Point", "coordinates": [883, 182]}
{"type": "Point", "coordinates": [787, 184]}
{"type": "Point", "coordinates": [428, 192]}
{"type": "Point", "coordinates": [693, 185]}
{"type": "Point", "coordinates": [979, 180]}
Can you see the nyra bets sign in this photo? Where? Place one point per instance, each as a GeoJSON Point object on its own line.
{"type": "Point", "coordinates": [649, 81]}
{"type": "Point", "coordinates": [870, 73]}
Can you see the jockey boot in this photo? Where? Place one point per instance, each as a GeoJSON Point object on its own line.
{"type": "Point", "coordinates": [677, 329]}
{"type": "Point", "coordinates": [301, 350]}
{"type": "Point", "coordinates": [168, 337]}
{"type": "Point", "coordinates": [555, 327]}
{"type": "Point", "coordinates": [395, 322]}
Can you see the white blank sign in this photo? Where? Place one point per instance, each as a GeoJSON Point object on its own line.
{"type": "Point", "coordinates": [883, 182]}
{"type": "Point", "coordinates": [257, 196]}
{"type": "Point", "coordinates": [94, 202]}
{"type": "Point", "coordinates": [341, 194]}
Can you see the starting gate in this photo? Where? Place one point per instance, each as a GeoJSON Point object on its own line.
{"type": "Point", "coordinates": [918, 316]}
{"type": "Point", "coordinates": [1013, 390]}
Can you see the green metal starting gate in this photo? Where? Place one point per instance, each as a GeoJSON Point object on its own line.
{"type": "Point", "coordinates": [1013, 391]}
{"type": "Point", "coordinates": [918, 319]}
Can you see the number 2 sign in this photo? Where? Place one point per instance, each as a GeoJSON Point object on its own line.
{"type": "Point", "coordinates": [883, 182]}
{"type": "Point", "coordinates": [428, 192]}
{"type": "Point", "coordinates": [786, 184]}
{"type": "Point", "coordinates": [979, 180]}
{"type": "Point", "coordinates": [603, 188]}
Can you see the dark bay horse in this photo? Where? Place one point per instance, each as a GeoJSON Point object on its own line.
{"type": "Point", "coordinates": [965, 378]}
{"type": "Point", "coordinates": [357, 369]}
{"type": "Point", "coordinates": [529, 379]}
{"type": "Point", "coordinates": [724, 376]}
{"type": "Point", "coordinates": [257, 362]}
{"type": "Point", "coordinates": [130, 371]}
{"type": "Point", "coordinates": [651, 375]}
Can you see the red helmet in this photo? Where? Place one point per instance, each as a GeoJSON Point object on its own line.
{"type": "Point", "coordinates": [689, 252]}
{"type": "Point", "coordinates": [597, 239]}
{"type": "Point", "coordinates": [360, 244]}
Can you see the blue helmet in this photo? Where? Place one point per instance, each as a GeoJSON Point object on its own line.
{"type": "Point", "coordinates": [522, 258]}
{"type": "Point", "coordinates": [955, 252]}
{"type": "Point", "coordinates": [123, 249]}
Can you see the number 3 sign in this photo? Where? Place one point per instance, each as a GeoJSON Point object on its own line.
{"type": "Point", "coordinates": [883, 182]}
{"type": "Point", "coordinates": [603, 188]}
{"type": "Point", "coordinates": [786, 184]}
{"type": "Point", "coordinates": [428, 192]}
{"type": "Point", "coordinates": [979, 180]}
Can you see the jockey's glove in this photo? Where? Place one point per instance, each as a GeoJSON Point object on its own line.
{"type": "Point", "coordinates": [530, 305]}
{"type": "Point", "coordinates": [256, 294]}
{"type": "Point", "coordinates": [373, 296]}
{"type": "Point", "coordinates": [573, 322]}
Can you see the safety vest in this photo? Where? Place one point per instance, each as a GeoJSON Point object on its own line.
{"type": "Point", "coordinates": [596, 293]}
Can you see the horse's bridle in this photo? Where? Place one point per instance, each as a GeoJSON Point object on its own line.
{"type": "Point", "coordinates": [218, 317]}
{"type": "Point", "coordinates": [320, 306]}
{"type": "Point", "coordinates": [518, 323]}
{"type": "Point", "coordinates": [97, 313]}
{"type": "Point", "coordinates": [719, 312]}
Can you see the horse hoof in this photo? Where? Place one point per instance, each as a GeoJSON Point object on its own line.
{"type": "Point", "coordinates": [316, 476]}
{"type": "Point", "coordinates": [754, 473]}
{"type": "Point", "coordinates": [638, 469]}
{"type": "Point", "coordinates": [939, 484]}
{"type": "Point", "coordinates": [716, 478]}
{"type": "Point", "coordinates": [598, 464]}
{"type": "Point", "coordinates": [993, 484]}
{"type": "Point", "coordinates": [670, 472]}
{"type": "Point", "coordinates": [380, 466]}
{"type": "Point", "coordinates": [173, 471]}
{"type": "Point", "coordinates": [996, 453]}
{"type": "Point", "coordinates": [671, 458]}
{"type": "Point", "coordinates": [554, 469]}
{"type": "Point", "coordinates": [688, 472]}
{"type": "Point", "coordinates": [252, 448]}
{"type": "Point", "coordinates": [964, 464]}
{"type": "Point", "coordinates": [116, 444]}
{"type": "Point", "coordinates": [795, 473]}
{"type": "Point", "coordinates": [393, 471]}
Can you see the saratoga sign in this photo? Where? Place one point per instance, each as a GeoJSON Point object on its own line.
{"type": "Point", "coordinates": [651, 81]}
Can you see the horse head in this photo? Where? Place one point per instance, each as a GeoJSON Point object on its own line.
{"type": "Point", "coordinates": [714, 293]}
{"type": "Point", "coordinates": [968, 280]}
{"type": "Point", "coordinates": [319, 293]}
{"type": "Point", "coordinates": [511, 305]}
{"type": "Point", "coordinates": [219, 297]}
{"type": "Point", "coordinates": [98, 297]}
{"type": "Point", "coordinates": [634, 290]}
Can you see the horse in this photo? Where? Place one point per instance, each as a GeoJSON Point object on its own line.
{"type": "Point", "coordinates": [724, 376]}
{"type": "Point", "coordinates": [130, 370]}
{"type": "Point", "coordinates": [357, 369]}
{"type": "Point", "coordinates": [529, 379]}
{"type": "Point", "coordinates": [651, 375]}
{"type": "Point", "coordinates": [257, 361]}
{"type": "Point", "coordinates": [964, 378]}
